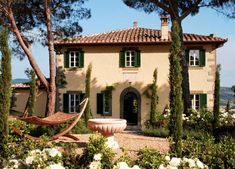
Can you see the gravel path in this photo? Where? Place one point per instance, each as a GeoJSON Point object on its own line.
{"type": "Point", "coordinates": [131, 142]}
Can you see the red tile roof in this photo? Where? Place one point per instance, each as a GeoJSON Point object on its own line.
{"type": "Point", "coordinates": [20, 86]}
{"type": "Point", "coordinates": [136, 35]}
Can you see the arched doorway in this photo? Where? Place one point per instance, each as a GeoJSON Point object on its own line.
{"type": "Point", "coordinates": [130, 102]}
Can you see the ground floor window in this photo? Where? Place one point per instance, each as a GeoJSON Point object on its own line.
{"type": "Point", "coordinates": [198, 101]}
{"type": "Point", "coordinates": [72, 101]}
{"type": "Point", "coordinates": [104, 102]}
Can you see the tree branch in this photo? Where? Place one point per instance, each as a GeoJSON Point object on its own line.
{"type": "Point", "coordinates": [27, 51]}
{"type": "Point", "coordinates": [162, 6]}
{"type": "Point", "coordinates": [174, 14]}
{"type": "Point", "coordinates": [189, 10]}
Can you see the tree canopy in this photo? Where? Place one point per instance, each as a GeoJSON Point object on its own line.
{"type": "Point", "coordinates": [30, 19]}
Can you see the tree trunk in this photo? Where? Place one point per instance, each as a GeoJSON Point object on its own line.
{"type": "Point", "coordinates": [52, 88]}
{"type": "Point", "coordinates": [185, 75]}
{"type": "Point", "coordinates": [26, 49]}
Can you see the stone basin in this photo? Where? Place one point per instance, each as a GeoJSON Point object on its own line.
{"type": "Point", "coordinates": [107, 127]}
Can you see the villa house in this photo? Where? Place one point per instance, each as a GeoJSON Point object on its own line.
{"type": "Point", "coordinates": [123, 62]}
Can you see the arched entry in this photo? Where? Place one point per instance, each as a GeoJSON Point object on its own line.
{"type": "Point", "coordinates": [130, 102]}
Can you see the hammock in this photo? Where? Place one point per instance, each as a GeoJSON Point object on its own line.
{"type": "Point", "coordinates": [55, 119]}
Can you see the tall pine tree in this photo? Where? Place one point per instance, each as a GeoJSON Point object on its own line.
{"type": "Point", "coordinates": [5, 92]}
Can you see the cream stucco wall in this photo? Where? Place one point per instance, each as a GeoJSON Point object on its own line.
{"type": "Point", "coordinates": [21, 98]}
{"type": "Point", "coordinates": [106, 71]}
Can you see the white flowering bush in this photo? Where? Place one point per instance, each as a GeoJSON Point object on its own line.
{"type": "Point", "coordinates": [124, 165]}
{"type": "Point", "coordinates": [227, 118]}
{"type": "Point", "coordinates": [48, 158]}
{"type": "Point", "coordinates": [186, 163]}
{"type": "Point", "coordinates": [198, 120]}
{"type": "Point", "coordinates": [96, 163]}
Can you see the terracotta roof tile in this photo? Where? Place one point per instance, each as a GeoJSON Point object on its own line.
{"type": "Point", "coordinates": [136, 35]}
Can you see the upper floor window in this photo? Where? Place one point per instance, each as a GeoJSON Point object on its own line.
{"type": "Point", "coordinates": [195, 57]}
{"type": "Point", "coordinates": [198, 101]}
{"type": "Point", "coordinates": [73, 59]}
{"type": "Point", "coordinates": [129, 58]}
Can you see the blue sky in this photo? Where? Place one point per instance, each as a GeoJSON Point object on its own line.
{"type": "Point", "coordinates": [110, 15]}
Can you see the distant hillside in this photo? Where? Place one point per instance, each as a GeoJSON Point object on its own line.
{"type": "Point", "coordinates": [19, 80]}
{"type": "Point", "coordinates": [226, 94]}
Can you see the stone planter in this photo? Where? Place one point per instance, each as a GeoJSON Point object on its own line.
{"type": "Point", "coordinates": [107, 127]}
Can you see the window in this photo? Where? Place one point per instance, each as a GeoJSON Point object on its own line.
{"type": "Point", "coordinates": [104, 103]}
{"type": "Point", "coordinates": [72, 101]}
{"type": "Point", "coordinates": [74, 59]}
{"type": "Point", "coordinates": [195, 104]}
{"type": "Point", "coordinates": [198, 101]}
{"type": "Point", "coordinates": [195, 57]}
{"type": "Point", "coordinates": [129, 58]}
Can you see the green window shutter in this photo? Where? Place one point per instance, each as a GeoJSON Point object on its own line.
{"type": "Point", "coordinates": [100, 103]}
{"type": "Point", "coordinates": [81, 59]}
{"type": "Point", "coordinates": [82, 96]}
{"type": "Point", "coordinates": [66, 59]}
{"type": "Point", "coordinates": [203, 100]}
{"type": "Point", "coordinates": [66, 102]}
{"type": "Point", "coordinates": [187, 55]}
{"type": "Point", "coordinates": [202, 57]}
{"type": "Point", "coordinates": [122, 58]}
{"type": "Point", "coordinates": [137, 58]}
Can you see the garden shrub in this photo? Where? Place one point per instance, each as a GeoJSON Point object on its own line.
{"type": "Point", "coordinates": [214, 155]}
{"type": "Point", "coordinates": [149, 158]}
{"type": "Point", "coordinates": [156, 132]}
{"type": "Point", "coordinates": [95, 146]}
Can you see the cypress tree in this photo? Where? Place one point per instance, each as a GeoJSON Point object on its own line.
{"type": "Point", "coordinates": [175, 96]}
{"type": "Point", "coordinates": [5, 92]}
{"type": "Point", "coordinates": [154, 99]}
{"type": "Point", "coordinates": [87, 112]}
{"type": "Point", "coordinates": [216, 111]}
{"type": "Point", "coordinates": [228, 106]}
{"type": "Point", "coordinates": [32, 92]}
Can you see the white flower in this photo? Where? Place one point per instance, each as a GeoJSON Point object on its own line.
{"type": "Point", "coordinates": [199, 164]}
{"type": "Point", "coordinates": [121, 165]}
{"type": "Point", "coordinates": [55, 166]}
{"type": "Point", "coordinates": [34, 152]}
{"type": "Point", "coordinates": [95, 165]}
{"type": "Point", "coordinates": [53, 152]}
{"type": "Point", "coordinates": [198, 116]}
{"type": "Point", "coordinates": [14, 164]}
{"type": "Point", "coordinates": [191, 163]}
{"type": "Point", "coordinates": [97, 157]}
{"type": "Point", "coordinates": [233, 116]}
{"type": "Point", "coordinates": [171, 167]}
{"type": "Point", "coordinates": [162, 166]}
{"type": "Point", "coordinates": [167, 158]}
{"type": "Point", "coordinates": [175, 162]}
{"type": "Point", "coordinates": [135, 167]}
{"type": "Point", "coordinates": [29, 160]}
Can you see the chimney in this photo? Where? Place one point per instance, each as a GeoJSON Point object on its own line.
{"type": "Point", "coordinates": [135, 24]}
{"type": "Point", "coordinates": [164, 27]}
